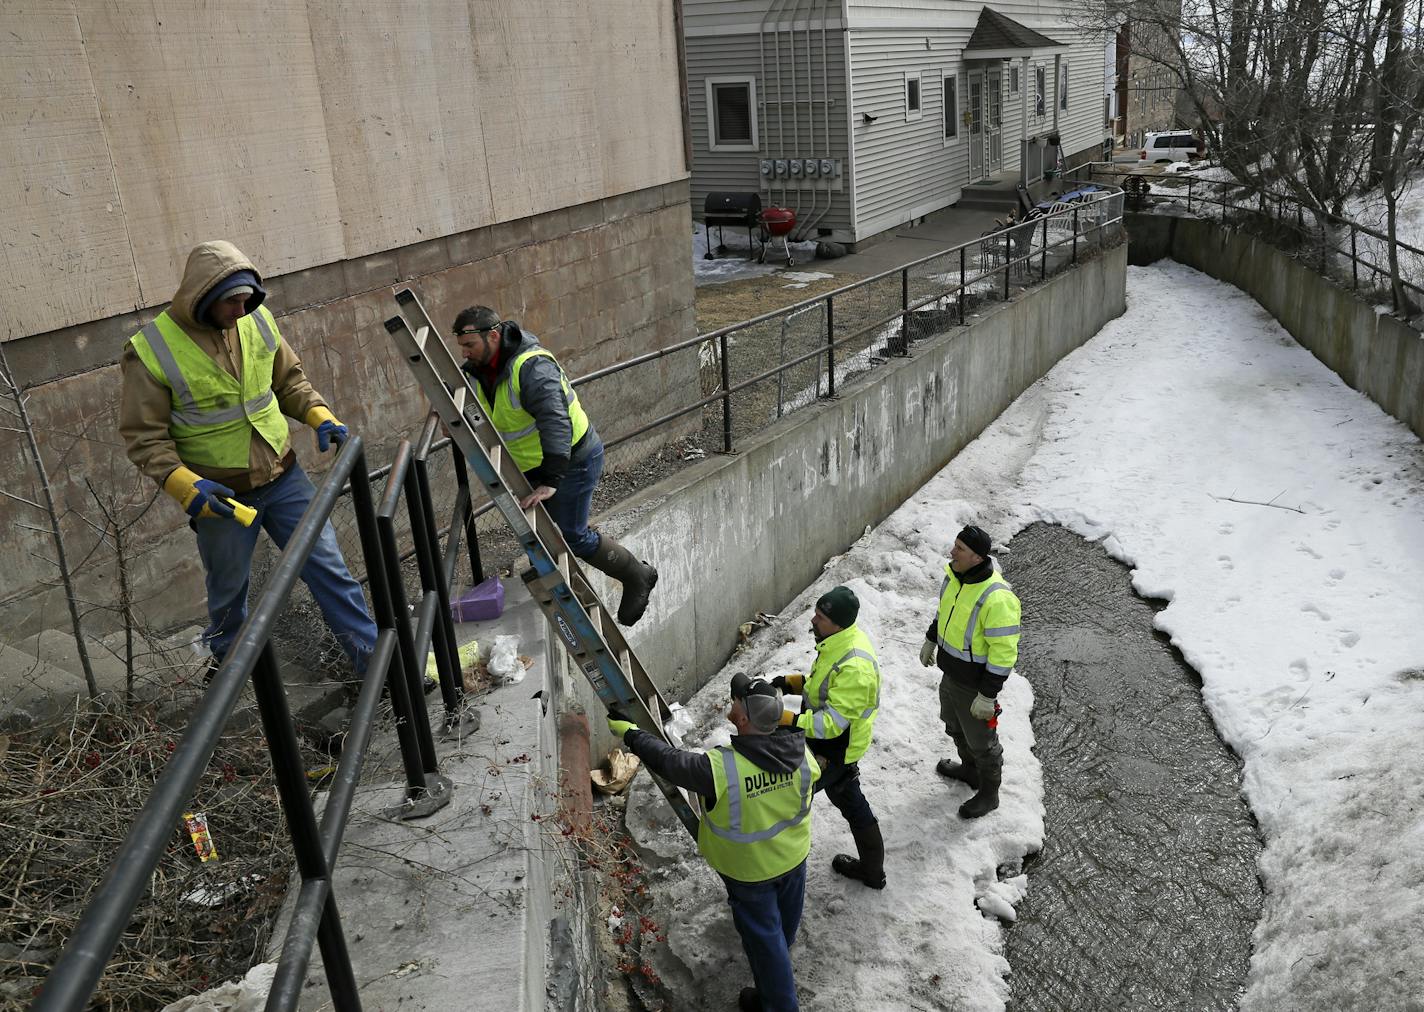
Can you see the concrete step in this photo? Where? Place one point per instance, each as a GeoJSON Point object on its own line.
{"type": "Point", "coordinates": [32, 688]}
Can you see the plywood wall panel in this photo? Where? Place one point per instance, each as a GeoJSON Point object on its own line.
{"type": "Point", "coordinates": [214, 119]}
{"type": "Point", "coordinates": [63, 245]}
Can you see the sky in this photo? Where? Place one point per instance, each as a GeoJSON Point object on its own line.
{"type": "Point", "coordinates": [1280, 514]}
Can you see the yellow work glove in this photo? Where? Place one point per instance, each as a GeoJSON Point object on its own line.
{"type": "Point", "coordinates": [787, 718]}
{"type": "Point", "coordinates": [789, 683]}
{"type": "Point", "coordinates": [328, 429]}
{"type": "Point", "coordinates": [202, 498]}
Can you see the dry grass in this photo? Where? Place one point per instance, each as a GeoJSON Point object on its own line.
{"type": "Point", "coordinates": [734, 301]}
{"type": "Point", "coordinates": [69, 792]}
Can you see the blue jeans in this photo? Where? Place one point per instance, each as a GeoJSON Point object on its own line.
{"type": "Point", "coordinates": [226, 547]}
{"type": "Point", "coordinates": [571, 501]}
{"type": "Point", "coordinates": [767, 915]}
{"type": "Point", "coordinates": [841, 782]}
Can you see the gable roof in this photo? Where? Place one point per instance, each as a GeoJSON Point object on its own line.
{"type": "Point", "coordinates": [995, 32]}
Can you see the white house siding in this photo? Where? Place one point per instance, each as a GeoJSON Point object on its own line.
{"type": "Point", "coordinates": [808, 129]}
{"type": "Point", "coordinates": [904, 169]}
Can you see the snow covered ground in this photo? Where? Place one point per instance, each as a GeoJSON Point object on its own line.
{"type": "Point", "coordinates": [735, 265]}
{"type": "Point", "coordinates": [1281, 515]}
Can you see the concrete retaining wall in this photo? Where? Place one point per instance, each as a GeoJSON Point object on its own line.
{"type": "Point", "coordinates": [746, 533]}
{"type": "Point", "coordinates": [1378, 355]}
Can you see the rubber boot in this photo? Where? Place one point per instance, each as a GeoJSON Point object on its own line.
{"type": "Point", "coordinates": [987, 799]}
{"type": "Point", "coordinates": [638, 578]}
{"type": "Point", "coordinates": [749, 1000]}
{"type": "Point", "coordinates": [965, 773]}
{"type": "Point", "coordinates": [869, 867]}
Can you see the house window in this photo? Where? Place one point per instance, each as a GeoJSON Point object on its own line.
{"type": "Point", "coordinates": [951, 107]}
{"type": "Point", "coordinates": [1039, 88]}
{"type": "Point", "coordinates": [912, 95]}
{"type": "Point", "coordinates": [731, 114]}
{"type": "Point", "coordinates": [1013, 80]}
{"type": "Point", "coordinates": [1063, 86]}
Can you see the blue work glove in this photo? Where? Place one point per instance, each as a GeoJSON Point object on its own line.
{"type": "Point", "coordinates": [982, 708]}
{"type": "Point", "coordinates": [619, 724]}
{"type": "Point", "coordinates": [329, 432]}
{"type": "Point", "coordinates": [199, 497]}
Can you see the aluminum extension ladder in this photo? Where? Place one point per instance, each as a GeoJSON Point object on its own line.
{"type": "Point", "coordinates": [580, 620]}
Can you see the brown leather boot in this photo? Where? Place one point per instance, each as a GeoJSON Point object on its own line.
{"type": "Point", "coordinates": [638, 578]}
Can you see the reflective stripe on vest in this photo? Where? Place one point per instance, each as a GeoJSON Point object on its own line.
{"type": "Point", "coordinates": [733, 836]}
{"type": "Point", "coordinates": [519, 428]}
{"type": "Point", "coordinates": [823, 703]}
{"type": "Point", "coordinates": [216, 436]}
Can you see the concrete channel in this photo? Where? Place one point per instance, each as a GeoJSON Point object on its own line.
{"type": "Point", "coordinates": [1145, 894]}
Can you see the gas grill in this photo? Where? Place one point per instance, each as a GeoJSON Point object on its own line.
{"type": "Point", "coordinates": [739, 210]}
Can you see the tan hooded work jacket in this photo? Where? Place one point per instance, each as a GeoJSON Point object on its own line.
{"type": "Point", "coordinates": [146, 404]}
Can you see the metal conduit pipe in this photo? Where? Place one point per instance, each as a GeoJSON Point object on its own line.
{"type": "Point", "coordinates": [825, 114]}
{"type": "Point", "coordinates": [780, 99]}
{"type": "Point", "coordinates": [810, 124]}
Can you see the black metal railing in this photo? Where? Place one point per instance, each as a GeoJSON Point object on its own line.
{"type": "Point", "coordinates": [1336, 247]}
{"type": "Point", "coordinates": [836, 334]}
{"type": "Point", "coordinates": [395, 667]}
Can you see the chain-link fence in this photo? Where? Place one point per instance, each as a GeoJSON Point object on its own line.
{"type": "Point", "coordinates": [1352, 253]}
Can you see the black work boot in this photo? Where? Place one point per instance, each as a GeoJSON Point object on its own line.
{"type": "Point", "coordinates": [965, 773]}
{"type": "Point", "coordinates": [638, 578]}
{"type": "Point", "coordinates": [987, 799]}
{"type": "Point", "coordinates": [749, 1000]}
{"type": "Point", "coordinates": [869, 867]}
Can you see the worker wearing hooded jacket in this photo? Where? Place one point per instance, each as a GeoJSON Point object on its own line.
{"type": "Point", "coordinates": [840, 699]}
{"type": "Point", "coordinates": [974, 638]}
{"type": "Point", "coordinates": [755, 827]}
{"type": "Point", "coordinates": [206, 387]}
{"type": "Point", "coordinates": [528, 398]}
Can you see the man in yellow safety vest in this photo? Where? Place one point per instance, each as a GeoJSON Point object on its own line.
{"type": "Point", "coordinates": [528, 398]}
{"type": "Point", "coordinates": [840, 699]}
{"type": "Point", "coordinates": [207, 390]}
{"type": "Point", "coordinates": [974, 638]}
{"type": "Point", "coordinates": [755, 830]}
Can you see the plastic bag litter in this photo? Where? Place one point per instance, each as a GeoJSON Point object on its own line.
{"type": "Point", "coordinates": [679, 722]}
{"type": "Point", "coordinates": [246, 995]}
{"type": "Point", "coordinates": [504, 663]}
{"type": "Point", "coordinates": [616, 773]}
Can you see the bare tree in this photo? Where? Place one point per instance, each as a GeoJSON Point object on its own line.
{"type": "Point", "coordinates": [25, 426]}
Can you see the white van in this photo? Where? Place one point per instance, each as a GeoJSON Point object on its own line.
{"type": "Point", "coordinates": [1170, 146]}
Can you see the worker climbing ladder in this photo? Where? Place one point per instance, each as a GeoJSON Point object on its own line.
{"type": "Point", "coordinates": [580, 621]}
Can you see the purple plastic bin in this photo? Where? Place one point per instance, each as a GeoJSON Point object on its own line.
{"type": "Point", "coordinates": [480, 603]}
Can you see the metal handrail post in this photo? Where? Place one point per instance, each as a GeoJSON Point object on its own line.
{"type": "Point", "coordinates": [427, 554]}
{"type": "Point", "coordinates": [1190, 180]}
{"type": "Point", "coordinates": [386, 619]}
{"type": "Point", "coordinates": [413, 666]}
{"type": "Point", "coordinates": [961, 285]}
{"type": "Point", "coordinates": [1043, 266]}
{"type": "Point", "coordinates": [293, 791]}
{"type": "Point", "coordinates": [472, 536]}
{"type": "Point", "coordinates": [1075, 235]}
{"type": "Point", "coordinates": [726, 396]}
{"type": "Point", "coordinates": [904, 346]}
{"type": "Point", "coordinates": [830, 347]}
{"type": "Point", "coordinates": [1354, 258]}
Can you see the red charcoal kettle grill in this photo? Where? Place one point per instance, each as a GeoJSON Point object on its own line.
{"type": "Point", "coordinates": [777, 223]}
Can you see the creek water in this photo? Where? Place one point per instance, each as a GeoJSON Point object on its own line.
{"type": "Point", "coordinates": [1145, 894]}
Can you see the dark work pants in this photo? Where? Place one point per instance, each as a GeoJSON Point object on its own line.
{"type": "Point", "coordinates": [978, 743]}
{"type": "Point", "coordinates": [767, 915]}
{"type": "Point", "coordinates": [841, 782]}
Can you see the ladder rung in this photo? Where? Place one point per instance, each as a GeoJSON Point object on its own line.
{"type": "Point", "coordinates": [563, 560]}
{"type": "Point", "coordinates": [422, 334]}
{"type": "Point", "coordinates": [460, 395]}
{"type": "Point", "coordinates": [496, 458]}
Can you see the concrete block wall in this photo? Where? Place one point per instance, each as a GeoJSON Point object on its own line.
{"type": "Point", "coordinates": [598, 282]}
{"type": "Point", "coordinates": [1375, 353]}
{"type": "Point", "coordinates": [744, 533]}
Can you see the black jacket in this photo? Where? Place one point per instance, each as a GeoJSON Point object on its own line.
{"type": "Point", "coordinates": [779, 752]}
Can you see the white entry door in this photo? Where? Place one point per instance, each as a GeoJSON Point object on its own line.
{"type": "Point", "coordinates": [994, 124]}
{"type": "Point", "coordinates": [976, 126]}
